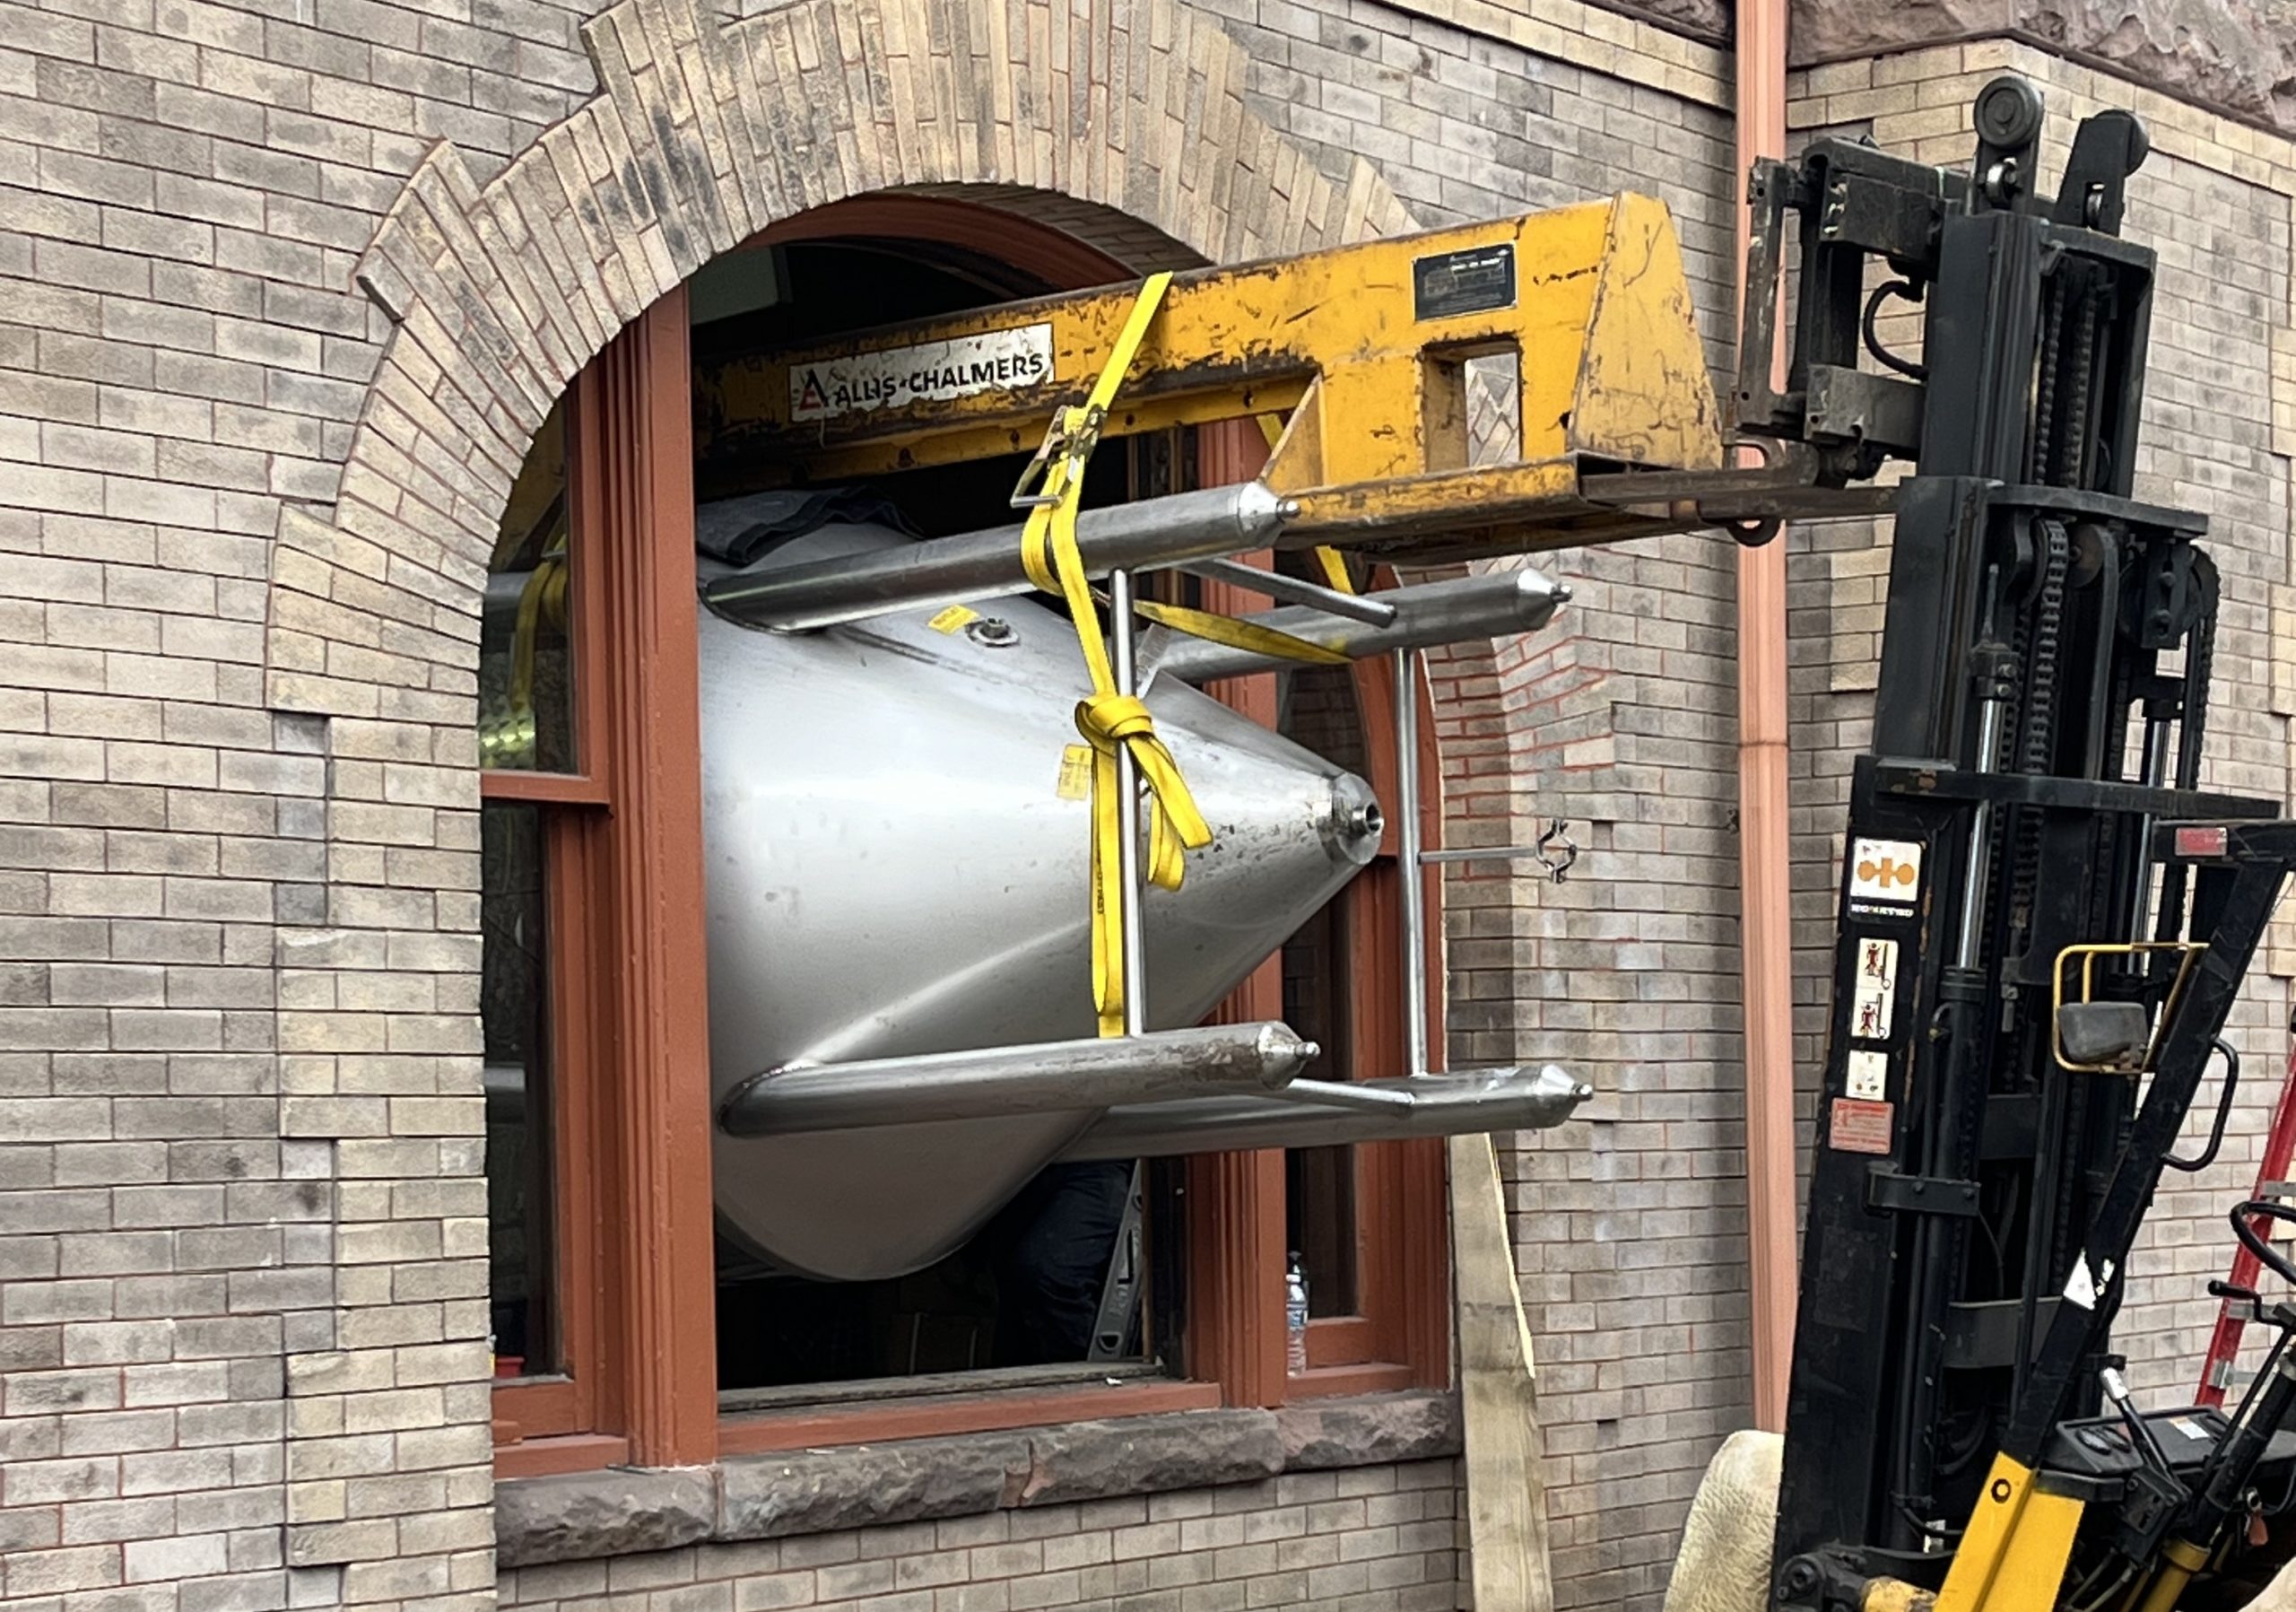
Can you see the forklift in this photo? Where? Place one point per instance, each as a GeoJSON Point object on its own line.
{"type": "Point", "coordinates": [2044, 917]}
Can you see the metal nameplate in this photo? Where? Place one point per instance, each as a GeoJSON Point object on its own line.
{"type": "Point", "coordinates": [1473, 281]}
{"type": "Point", "coordinates": [896, 378]}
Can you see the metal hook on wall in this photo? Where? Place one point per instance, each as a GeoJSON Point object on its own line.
{"type": "Point", "coordinates": [1555, 850]}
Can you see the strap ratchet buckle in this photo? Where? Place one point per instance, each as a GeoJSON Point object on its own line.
{"type": "Point", "coordinates": [1073, 433]}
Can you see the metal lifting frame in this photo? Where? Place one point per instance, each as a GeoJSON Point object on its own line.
{"type": "Point", "coordinates": [1366, 350]}
{"type": "Point", "coordinates": [1973, 1201]}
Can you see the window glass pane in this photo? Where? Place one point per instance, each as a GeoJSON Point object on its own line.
{"type": "Point", "coordinates": [1494, 385]}
{"type": "Point", "coordinates": [1026, 1292]}
{"type": "Point", "coordinates": [526, 670]}
{"type": "Point", "coordinates": [1319, 709]}
{"type": "Point", "coordinates": [1319, 1183]}
{"type": "Point", "coordinates": [514, 1002]}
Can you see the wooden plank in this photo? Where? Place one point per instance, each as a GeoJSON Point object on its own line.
{"type": "Point", "coordinates": [1507, 1527]}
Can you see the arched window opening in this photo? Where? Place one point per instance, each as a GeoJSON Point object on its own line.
{"type": "Point", "coordinates": [601, 1297]}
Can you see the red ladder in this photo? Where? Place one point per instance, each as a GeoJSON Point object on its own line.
{"type": "Point", "coordinates": [2272, 1182]}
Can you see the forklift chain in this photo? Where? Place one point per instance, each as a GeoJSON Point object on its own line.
{"type": "Point", "coordinates": [2038, 466]}
{"type": "Point", "coordinates": [2040, 724]}
{"type": "Point", "coordinates": [2075, 447]}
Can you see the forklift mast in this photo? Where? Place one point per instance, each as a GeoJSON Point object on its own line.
{"type": "Point", "coordinates": [2043, 919]}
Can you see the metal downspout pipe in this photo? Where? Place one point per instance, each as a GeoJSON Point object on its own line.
{"type": "Point", "coordinates": [1766, 936]}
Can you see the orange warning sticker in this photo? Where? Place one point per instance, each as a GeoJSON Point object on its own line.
{"type": "Point", "coordinates": [1860, 1127]}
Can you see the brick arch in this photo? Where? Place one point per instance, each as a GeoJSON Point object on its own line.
{"type": "Point", "coordinates": [706, 132]}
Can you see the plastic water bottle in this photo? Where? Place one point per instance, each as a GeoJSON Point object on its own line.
{"type": "Point", "coordinates": [1295, 1317]}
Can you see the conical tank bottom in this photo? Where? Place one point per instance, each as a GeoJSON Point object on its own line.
{"type": "Point", "coordinates": [896, 843]}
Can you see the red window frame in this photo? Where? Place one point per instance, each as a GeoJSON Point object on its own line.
{"type": "Point", "coordinates": [629, 1063]}
{"type": "Point", "coordinates": [1399, 1335]}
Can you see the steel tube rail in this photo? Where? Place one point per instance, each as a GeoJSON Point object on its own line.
{"type": "Point", "coordinates": [1291, 591]}
{"type": "Point", "coordinates": [1414, 903]}
{"type": "Point", "coordinates": [1429, 613]}
{"type": "Point", "coordinates": [1441, 1105]}
{"type": "Point", "coordinates": [1150, 1070]}
{"type": "Point", "coordinates": [987, 564]}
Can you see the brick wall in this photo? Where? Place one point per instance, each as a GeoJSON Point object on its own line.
{"type": "Point", "coordinates": [1377, 1539]}
{"type": "Point", "coordinates": [1619, 719]}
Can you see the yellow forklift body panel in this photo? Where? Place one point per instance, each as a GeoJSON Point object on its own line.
{"type": "Point", "coordinates": [2013, 1555]}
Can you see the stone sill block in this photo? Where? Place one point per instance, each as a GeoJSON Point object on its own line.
{"type": "Point", "coordinates": [629, 1510]}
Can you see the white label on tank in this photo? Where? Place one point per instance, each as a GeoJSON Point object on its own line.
{"type": "Point", "coordinates": [996, 361]}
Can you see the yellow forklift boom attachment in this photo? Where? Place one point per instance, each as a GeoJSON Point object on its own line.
{"type": "Point", "coordinates": [1363, 349]}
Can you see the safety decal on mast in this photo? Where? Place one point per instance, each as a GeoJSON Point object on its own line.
{"type": "Point", "coordinates": [2082, 1289]}
{"type": "Point", "coordinates": [1877, 988]}
{"type": "Point", "coordinates": [1858, 1126]}
{"type": "Point", "coordinates": [1868, 1076]}
{"type": "Point", "coordinates": [1885, 875]}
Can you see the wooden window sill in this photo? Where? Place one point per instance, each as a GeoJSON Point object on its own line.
{"type": "Point", "coordinates": [939, 1415]}
{"type": "Point", "coordinates": [551, 1456]}
{"type": "Point", "coordinates": [1359, 1377]}
{"type": "Point", "coordinates": [547, 789]}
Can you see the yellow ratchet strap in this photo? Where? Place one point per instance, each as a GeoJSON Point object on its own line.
{"type": "Point", "coordinates": [1237, 633]}
{"type": "Point", "coordinates": [1105, 717]}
